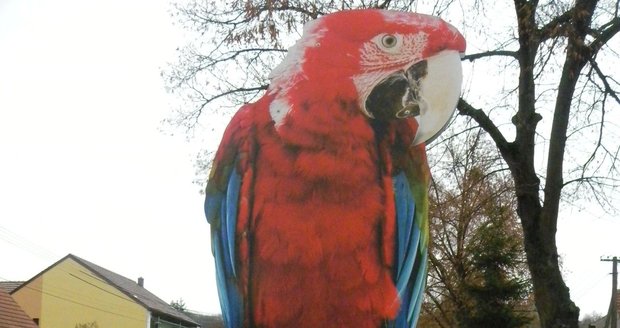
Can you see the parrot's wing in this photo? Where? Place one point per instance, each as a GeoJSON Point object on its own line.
{"type": "Point", "coordinates": [222, 210]}
{"type": "Point", "coordinates": [411, 246]}
{"type": "Point", "coordinates": [223, 226]}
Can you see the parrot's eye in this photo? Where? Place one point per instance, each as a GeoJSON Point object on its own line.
{"type": "Point", "coordinates": [389, 41]}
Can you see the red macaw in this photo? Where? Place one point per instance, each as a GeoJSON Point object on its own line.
{"type": "Point", "coordinates": [317, 197]}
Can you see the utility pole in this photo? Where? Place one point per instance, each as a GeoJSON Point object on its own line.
{"type": "Point", "coordinates": [613, 307]}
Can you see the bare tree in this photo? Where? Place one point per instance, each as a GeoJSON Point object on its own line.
{"type": "Point", "coordinates": [236, 46]}
{"type": "Point", "coordinates": [546, 108]}
{"type": "Point", "coordinates": [477, 269]}
{"type": "Point", "coordinates": [581, 31]}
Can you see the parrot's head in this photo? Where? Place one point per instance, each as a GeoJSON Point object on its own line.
{"type": "Point", "coordinates": [397, 65]}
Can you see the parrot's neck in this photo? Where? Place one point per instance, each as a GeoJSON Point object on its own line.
{"type": "Point", "coordinates": [336, 122]}
{"type": "Point", "coordinates": [332, 119]}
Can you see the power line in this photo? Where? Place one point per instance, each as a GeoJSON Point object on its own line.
{"type": "Point", "coordinates": [43, 253]}
{"type": "Point", "coordinates": [26, 245]}
{"type": "Point", "coordinates": [585, 290]}
{"type": "Point", "coordinates": [123, 297]}
{"type": "Point", "coordinates": [62, 289]}
{"type": "Point", "coordinates": [83, 304]}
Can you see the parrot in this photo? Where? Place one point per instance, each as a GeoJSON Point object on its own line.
{"type": "Point", "coordinates": [317, 196]}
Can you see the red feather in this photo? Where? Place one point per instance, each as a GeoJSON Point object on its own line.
{"type": "Point", "coordinates": [316, 222]}
{"type": "Point", "coordinates": [318, 213]}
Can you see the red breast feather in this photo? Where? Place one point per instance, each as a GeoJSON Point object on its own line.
{"type": "Point", "coordinates": [319, 211]}
{"type": "Point", "coordinates": [322, 237]}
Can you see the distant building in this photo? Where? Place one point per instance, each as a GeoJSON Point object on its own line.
{"type": "Point", "coordinates": [9, 286]}
{"type": "Point", "coordinates": [206, 320]}
{"type": "Point", "coordinates": [76, 293]}
{"type": "Point", "coordinates": [603, 322]}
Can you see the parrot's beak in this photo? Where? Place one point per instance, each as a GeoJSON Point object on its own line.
{"type": "Point", "coordinates": [440, 90]}
{"type": "Point", "coordinates": [427, 90]}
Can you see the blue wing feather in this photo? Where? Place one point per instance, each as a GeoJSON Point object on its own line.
{"type": "Point", "coordinates": [402, 209]}
{"type": "Point", "coordinates": [411, 259]}
{"type": "Point", "coordinates": [212, 206]}
{"type": "Point", "coordinates": [230, 224]}
{"type": "Point", "coordinates": [410, 274]}
{"type": "Point", "coordinates": [221, 210]}
{"type": "Point", "coordinates": [418, 289]}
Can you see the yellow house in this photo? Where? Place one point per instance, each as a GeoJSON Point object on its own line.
{"type": "Point", "coordinates": [75, 293]}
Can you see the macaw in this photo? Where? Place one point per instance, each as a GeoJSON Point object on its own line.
{"type": "Point", "coordinates": [317, 195]}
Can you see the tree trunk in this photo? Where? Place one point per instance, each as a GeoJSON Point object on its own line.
{"type": "Point", "coordinates": [555, 308]}
{"type": "Point", "coordinates": [553, 303]}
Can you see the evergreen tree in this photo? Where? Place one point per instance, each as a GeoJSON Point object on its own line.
{"type": "Point", "coordinates": [495, 292]}
{"type": "Point", "coordinates": [478, 275]}
{"type": "Point", "coordinates": [179, 305]}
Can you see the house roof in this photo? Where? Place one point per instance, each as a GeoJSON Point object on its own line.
{"type": "Point", "coordinates": [129, 287]}
{"type": "Point", "coordinates": [208, 321]}
{"type": "Point", "coordinates": [602, 321]}
{"type": "Point", "coordinates": [9, 286]}
{"type": "Point", "coordinates": [135, 291]}
{"type": "Point", "coordinates": [12, 315]}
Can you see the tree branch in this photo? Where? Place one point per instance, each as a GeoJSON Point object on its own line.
{"type": "Point", "coordinates": [437, 303]}
{"type": "Point", "coordinates": [312, 14]}
{"type": "Point", "coordinates": [238, 90]}
{"type": "Point", "coordinates": [491, 53]}
{"type": "Point", "coordinates": [385, 4]}
{"type": "Point", "coordinates": [211, 61]}
{"type": "Point", "coordinates": [576, 58]}
{"type": "Point", "coordinates": [608, 90]}
{"type": "Point", "coordinates": [555, 27]}
{"type": "Point", "coordinates": [608, 31]}
{"type": "Point", "coordinates": [485, 123]}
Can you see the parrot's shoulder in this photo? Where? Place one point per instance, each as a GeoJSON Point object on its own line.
{"type": "Point", "coordinates": [248, 117]}
{"type": "Point", "coordinates": [241, 127]}
{"type": "Point", "coordinates": [241, 122]}
{"type": "Point", "coordinates": [237, 145]}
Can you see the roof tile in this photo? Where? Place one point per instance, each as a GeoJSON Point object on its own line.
{"type": "Point", "coordinates": [12, 315]}
{"type": "Point", "coordinates": [10, 286]}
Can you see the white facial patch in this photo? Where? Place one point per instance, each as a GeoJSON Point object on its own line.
{"type": "Point", "coordinates": [440, 90]}
{"type": "Point", "coordinates": [373, 57]}
{"type": "Point", "coordinates": [377, 64]}
{"type": "Point", "coordinates": [278, 109]}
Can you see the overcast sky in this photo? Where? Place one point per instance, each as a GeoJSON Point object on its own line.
{"type": "Point", "coordinates": [85, 168]}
